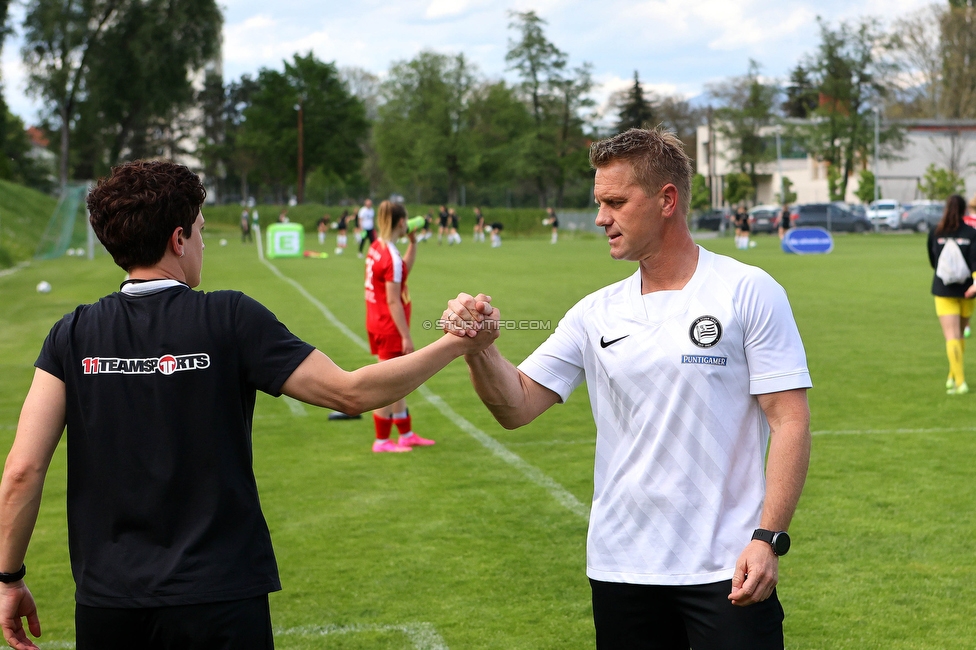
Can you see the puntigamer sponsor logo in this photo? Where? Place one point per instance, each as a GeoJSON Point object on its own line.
{"type": "Point", "coordinates": [166, 364]}
{"type": "Point", "coordinates": [703, 360]}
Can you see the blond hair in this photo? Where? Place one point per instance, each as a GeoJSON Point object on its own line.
{"type": "Point", "coordinates": [388, 216]}
{"type": "Point", "coordinates": [657, 157]}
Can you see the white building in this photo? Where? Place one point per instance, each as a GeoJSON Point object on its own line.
{"type": "Point", "coordinates": [946, 144]}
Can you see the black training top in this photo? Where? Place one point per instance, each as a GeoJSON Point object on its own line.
{"type": "Point", "coordinates": [162, 503]}
{"type": "Point", "coordinates": [966, 238]}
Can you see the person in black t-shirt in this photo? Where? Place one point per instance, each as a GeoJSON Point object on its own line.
{"type": "Point", "coordinates": [954, 301]}
{"type": "Point", "coordinates": [156, 384]}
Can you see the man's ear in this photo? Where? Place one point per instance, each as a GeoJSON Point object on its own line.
{"type": "Point", "coordinates": [669, 200]}
{"type": "Point", "coordinates": [176, 241]}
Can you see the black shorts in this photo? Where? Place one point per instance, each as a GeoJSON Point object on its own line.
{"type": "Point", "coordinates": [232, 625]}
{"type": "Point", "coordinates": [653, 617]}
{"type": "Point", "coordinates": [442, 222]}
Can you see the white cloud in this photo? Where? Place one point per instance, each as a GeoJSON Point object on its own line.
{"type": "Point", "coordinates": [447, 8]}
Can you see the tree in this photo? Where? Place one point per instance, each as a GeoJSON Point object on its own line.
{"type": "Point", "coordinates": [571, 96]}
{"type": "Point", "coordinates": [17, 162]}
{"type": "Point", "coordinates": [4, 31]}
{"type": "Point", "coordinates": [850, 78]}
{"type": "Point", "coordinates": [115, 75]}
{"type": "Point", "coordinates": [140, 83]}
{"type": "Point", "coordinates": [334, 123]}
{"type": "Point", "coordinates": [679, 116]}
{"type": "Point", "coordinates": [701, 196]}
{"type": "Point", "coordinates": [634, 111]}
{"type": "Point", "coordinates": [940, 183]}
{"type": "Point", "coordinates": [423, 134]}
{"type": "Point", "coordinates": [787, 196]}
{"type": "Point", "coordinates": [499, 121]}
{"type": "Point", "coordinates": [747, 107]}
{"type": "Point", "coordinates": [916, 45]}
{"type": "Point", "coordinates": [958, 49]}
{"type": "Point", "coordinates": [801, 96]}
{"type": "Point", "coordinates": [58, 37]}
{"type": "Point", "coordinates": [865, 186]}
{"type": "Point", "coordinates": [553, 153]}
{"type": "Point", "coordinates": [738, 188]}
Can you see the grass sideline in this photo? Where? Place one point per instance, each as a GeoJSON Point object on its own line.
{"type": "Point", "coordinates": [451, 537]}
{"type": "Point", "coordinates": [518, 221]}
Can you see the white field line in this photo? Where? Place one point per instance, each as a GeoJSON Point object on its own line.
{"type": "Point", "coordinates": [297, 408]}
{"type": "Point", "coordinates": [563, 496]}
{"type": "Point", "coordinates": [14, 269]}
{"type": "Point", "coordinates": [423, 636]}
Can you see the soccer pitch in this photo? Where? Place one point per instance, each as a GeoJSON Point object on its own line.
{"type": "Point", "coordinates": [478, 542]}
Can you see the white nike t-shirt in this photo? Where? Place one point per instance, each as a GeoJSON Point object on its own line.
{"type": "Point", "coordinates": [366, 218]}
{"type": "Point", "coordinates": [681, 441]}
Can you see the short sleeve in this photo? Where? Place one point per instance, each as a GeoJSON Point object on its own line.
{"type": "Point", "coordinates": [51, 358]}
{"type": "Point", "coordinates": [269, 352]}
{"type": "Point", "coordinates": [557, 364]}
{"type": "Point", "coordinates": [773, 348]}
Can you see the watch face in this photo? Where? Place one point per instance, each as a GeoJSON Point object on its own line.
{"type": "Point", "coordinates": [781, 543]}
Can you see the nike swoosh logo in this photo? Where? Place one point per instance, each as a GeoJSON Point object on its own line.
{"type": "Point", "coordinates": [606, 344]}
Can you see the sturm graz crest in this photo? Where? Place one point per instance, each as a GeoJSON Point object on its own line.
{"type": "Point", "coordinates": [706, 331]}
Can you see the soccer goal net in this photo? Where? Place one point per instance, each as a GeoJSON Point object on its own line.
{"type": "Point", "coordinates": [67, 230]}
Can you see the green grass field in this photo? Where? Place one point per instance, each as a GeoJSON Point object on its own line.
{"type": "Point", "coordinates": [452, 547]}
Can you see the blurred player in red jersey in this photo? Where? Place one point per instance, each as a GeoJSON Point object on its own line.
{"type": "Point", "coordinates": [388, 318]}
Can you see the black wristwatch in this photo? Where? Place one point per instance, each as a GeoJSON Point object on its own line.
{"type": "Point", "coordinates": [780, 540]}
{"type": "Point", "coordinates": [15, 576]}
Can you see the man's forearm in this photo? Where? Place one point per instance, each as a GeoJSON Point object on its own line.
{"type": "Point", "coordinates": [789, 459]}
{"type": "Point", "coordinates": [320, 382]}
{"type": "Point", "coordinates": [38, 431]}
{"type": "Point", "coordinates": [499, 385]}
{"type": "Point", "coordinates": [20, 500]}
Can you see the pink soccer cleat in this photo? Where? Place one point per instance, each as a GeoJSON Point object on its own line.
{"type": "Point", "coordinates": [413, 440]}
{"type": "Point", "coordinates": [388, 445]}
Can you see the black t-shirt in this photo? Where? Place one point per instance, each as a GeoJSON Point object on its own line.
{"type": "Point", "coordinates": [162, 503]}
{"type": "Point", "coordinates": [966, 238]}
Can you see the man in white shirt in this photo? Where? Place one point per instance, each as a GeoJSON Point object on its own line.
{"type": "Point", "coordinates": [692, 365]}
{"type": "Point", "coordinates": [366, 216]}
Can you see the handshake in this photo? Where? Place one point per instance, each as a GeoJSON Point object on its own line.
{"type": "Point", "coordinates": [469, 316]}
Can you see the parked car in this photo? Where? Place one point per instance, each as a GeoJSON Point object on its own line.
{"type": "Point", "coordinates": [830, 216]}
{"type": "Point", "coordinates": [764, 218]}
{"type": "Point", "coordinates": [921, 216]}
{"type": "Point", "coordinates": [712, 219]}
{"type": "Point", "coordinates": [885, 213]}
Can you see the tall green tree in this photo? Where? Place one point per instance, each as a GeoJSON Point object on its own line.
{"type": "Point", "coordinates": [498, 120]}
{"type": "Point", "coordinates": [140, 81]}
{"type": "Point", "coordinates": [746, 108]}
{"type": "Point", "coordinates": [958, 49]}
{"type": "Point", "coordinates": [634, 110]}
{"type": "Point", "coordinates": [58, 39]}
{"type": "Point", "coordinates": [423, 135]}
{"type": "Point", "coordinates": [850, 77]}
{"type": "Point", "coordinates": [801, 95]}
{"type": "Point", "coordinates": [334, 123]}
{"type": "Point", "coordinates": [4, 31]}
{"type": "Point", "coordinates": [555, 96]}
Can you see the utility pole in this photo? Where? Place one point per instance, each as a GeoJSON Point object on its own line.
{"type": "Point", "coordinates": [779, 166]}
{"type": "Point", "coordinates": [301, 151]}
{"type": "Point", "coordinates": [877, 137]}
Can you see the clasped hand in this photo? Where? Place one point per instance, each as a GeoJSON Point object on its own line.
{"type": "Point", "coordinates": [469, 316]}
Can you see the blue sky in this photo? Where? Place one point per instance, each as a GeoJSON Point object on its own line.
{"type": "Point", "coordinates": [677, 46]}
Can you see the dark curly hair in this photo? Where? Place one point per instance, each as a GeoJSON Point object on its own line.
{"type": "Point", "coordinates": [136, 209]}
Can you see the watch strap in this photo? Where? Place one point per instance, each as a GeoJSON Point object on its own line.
{"type": "Point", "coordinates": [763, 535]}
{"type": "Point", "coordinates": [15, 576]}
